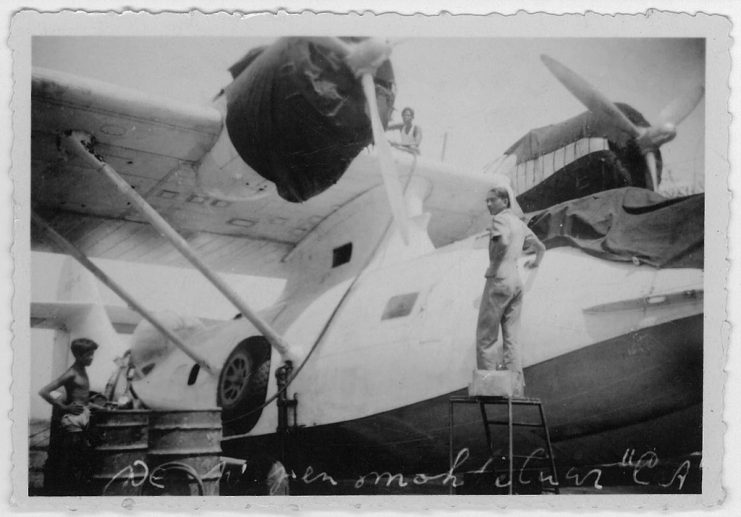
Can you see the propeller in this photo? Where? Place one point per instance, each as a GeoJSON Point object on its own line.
{"type": "Point", "coordinates": [364, 58]}
{"type": "Point", "coordinates": [590, 96]}
{"type": "Point", "coordinates": [649, 139]}
{"type": "Point", "coordinates": [678, 110]}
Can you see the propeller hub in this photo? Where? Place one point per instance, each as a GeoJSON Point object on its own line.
{"type": "Point", "coordinates": [367, 55]}
{"type": "Point", "coordinates": [649, 139]}
{"type": "Point", "coordinates": [656, 136]}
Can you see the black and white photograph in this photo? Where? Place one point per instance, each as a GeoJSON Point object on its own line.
{"type": "Point", "coordinates": [324, 255]}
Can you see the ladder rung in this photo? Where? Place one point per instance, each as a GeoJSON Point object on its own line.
{"type": "Point", "coordinates": [545, 463]}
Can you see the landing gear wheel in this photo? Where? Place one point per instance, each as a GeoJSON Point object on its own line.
{"type": "Point", "coordinates": [242, 388]}
{"type": "Point", "coordinates": [235, 378]}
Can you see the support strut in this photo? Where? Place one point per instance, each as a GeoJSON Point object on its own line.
{"type": "Point", "coordinates": [113, 286]}
{"type": "Point", "coordinates": [82, 144]}
{"type": "Point", "coordinates": [287, 414]}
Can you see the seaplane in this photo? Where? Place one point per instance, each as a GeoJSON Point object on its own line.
{"type": "Point", "coordinates": [288, 174]}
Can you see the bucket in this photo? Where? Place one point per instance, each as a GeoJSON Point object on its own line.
{"type": "Point", "coordinates": [184, 452]}
{"type": "Point", "coordinates": [119, 451]}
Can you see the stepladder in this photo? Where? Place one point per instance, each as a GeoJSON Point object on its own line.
{"type": "Point", "coordinates": [503, 418]}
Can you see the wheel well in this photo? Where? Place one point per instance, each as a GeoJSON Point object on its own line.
{"type": "Point", "coordinates": [241, 418]}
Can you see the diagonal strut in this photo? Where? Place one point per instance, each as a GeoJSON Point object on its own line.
{"type": "Point", "coordinates": [82, 145]}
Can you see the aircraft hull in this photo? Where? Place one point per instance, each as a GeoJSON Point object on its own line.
{"type": "Point", "coordinates": [589, 397]}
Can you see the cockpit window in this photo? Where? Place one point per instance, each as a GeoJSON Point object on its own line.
{"type": "Point", "coordinates": [399, 306]}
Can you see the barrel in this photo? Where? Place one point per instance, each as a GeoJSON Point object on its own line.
{"type": "Point", "coordinates": [38, 444]}
{"type": "Point", "coordinates": [184, 452]}
{"type": "Point", "coordinates": [120, 443]}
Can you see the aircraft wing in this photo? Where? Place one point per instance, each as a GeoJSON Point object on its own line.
{"type": "Point", "coordinates": [155, 144]}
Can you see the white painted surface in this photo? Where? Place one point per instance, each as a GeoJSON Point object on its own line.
{"type": "Point", "coordinates": [158, 288]}
{"type": "Point", "coordinates": [42, 371]}
{"type": "Point", "coordinates": [367, 365]}
{"type": "Point", "coordinates": [183, 291]}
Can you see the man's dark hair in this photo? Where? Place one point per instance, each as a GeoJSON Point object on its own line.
{"type": "Point", "coordinates": [410, 110]}
{"type": "Point", "coordinates": [82, 346]}
{"type": "Point", "coordinates": [501, 193]}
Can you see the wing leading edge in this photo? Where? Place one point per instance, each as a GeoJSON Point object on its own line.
{"type": "Point", "coordinates": [154, 143]}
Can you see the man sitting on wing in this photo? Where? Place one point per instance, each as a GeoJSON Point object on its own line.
{"type": "Point", "coordinates": [411, 134]}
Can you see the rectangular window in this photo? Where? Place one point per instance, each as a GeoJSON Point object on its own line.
{"type": "Point", "coordinates": [342, 254]}
{"type": "Point", "coordinates": [399, 306]}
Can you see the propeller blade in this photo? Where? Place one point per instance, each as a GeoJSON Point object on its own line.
{"type": "Point", "coordinates": [367, 55]}
{"type": "Point", "coordinates": [652, 176]}
{"type": "Point", "coordinates": [364, 58]}
{"type": "Point", "coordinates": [677, 110]}
{"type": "Point", "coordinates": [335, 44]}
{"type": "Point", "coordinates": [590, 96]}
{"type": "Point", "coordinates": [390, 177]}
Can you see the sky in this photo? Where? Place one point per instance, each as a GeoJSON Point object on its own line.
{"type": "Point", "coordinates": [483, 93]}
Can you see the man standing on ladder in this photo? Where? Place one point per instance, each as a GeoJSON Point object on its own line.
{"type": "Point", "coordinates": [501, 302]}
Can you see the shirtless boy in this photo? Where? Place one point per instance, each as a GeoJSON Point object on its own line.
{"type": "Point", "coordinates": [66, 469]}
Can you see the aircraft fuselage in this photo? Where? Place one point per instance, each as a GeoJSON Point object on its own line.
{"type": "Point", "coordinates": [605, 345]}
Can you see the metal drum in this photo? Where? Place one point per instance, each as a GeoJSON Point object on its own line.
{"type": "Point", "coordinates": [120, 443]}
{"type": "Point", "coordinates": [184, 452]}
{"type": "Point", "coordinates": [38, 444]}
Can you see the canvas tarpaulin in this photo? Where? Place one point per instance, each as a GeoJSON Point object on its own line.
{"type": "Point", "coordinates": [547, 139]}
{"type": "Point", "coordinates": [590, 174]}
{"type": "Point", "coordinates": [629, 224]}
{"type": "Point", "coordinates": [544, 140]}
{"type": "Point", "coordinates": [297, 115]}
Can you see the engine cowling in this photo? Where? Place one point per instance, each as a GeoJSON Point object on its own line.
{"type": "Point", "coordinates": [297, 116]}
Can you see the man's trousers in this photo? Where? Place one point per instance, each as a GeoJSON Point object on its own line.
{"type": "Point", "coordinates": [501, 305]}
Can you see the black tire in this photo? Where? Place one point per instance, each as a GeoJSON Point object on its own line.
{"type": "Point", "coordinates": [242, 387]}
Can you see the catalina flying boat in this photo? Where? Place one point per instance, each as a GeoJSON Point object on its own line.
{"type": "Point", "coordinates": [288, 174]}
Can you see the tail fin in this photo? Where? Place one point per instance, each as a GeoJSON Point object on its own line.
{"type": "Point", "coordinates": [79, 312]}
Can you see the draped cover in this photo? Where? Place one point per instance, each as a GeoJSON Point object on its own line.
{"type": "Point", "coordinates": [297, 115]}
{"type": "Point", "coordinates": [629, 224]}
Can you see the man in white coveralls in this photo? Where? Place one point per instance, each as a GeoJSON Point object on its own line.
{"type": "Point", "coordinates": [501, 302]}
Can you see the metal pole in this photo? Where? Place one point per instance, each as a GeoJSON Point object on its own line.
{"type": "Point", "coordinates": [445, 144]}
{"type": "Point", "coordinates": [511, 448]}
{"type": "Point", "coordinates": [450, 441]}
{"type": "Point", "coordinates": [82, 144]}
{"type": "Point", "coordinates": [110, 283]}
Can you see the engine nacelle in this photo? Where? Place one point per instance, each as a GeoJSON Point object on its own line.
{"type": "Point", "coordinates": [296, 116]}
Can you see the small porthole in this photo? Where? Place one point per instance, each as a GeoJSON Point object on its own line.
{"type": "Point", "coordinates": [194, 374]}
{"type": "Point", "coordinates": [342, 254]}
